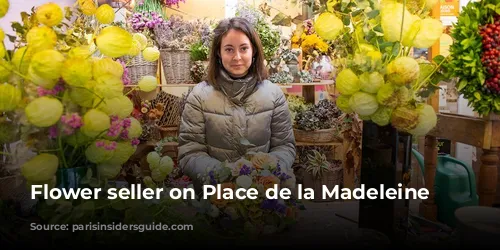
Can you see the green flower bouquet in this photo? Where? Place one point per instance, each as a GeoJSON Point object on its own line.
{"type": "Point", "coordinates": [62, 88]}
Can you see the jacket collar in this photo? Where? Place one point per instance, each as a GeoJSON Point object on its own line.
{"type": "Point", "coordinates": [237, 90]}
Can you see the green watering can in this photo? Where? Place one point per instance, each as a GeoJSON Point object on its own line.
{"type": "Point", "coordinates": [455, 186]}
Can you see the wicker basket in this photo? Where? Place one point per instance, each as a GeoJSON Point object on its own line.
{"type": "Point", "coordinates": [176, 66]}
{"type": "Point", "coordinates": [319, 136]}
{"type": "Point", "coordinates": [138, 67]}
{"type": "Point", "coordinates": [169, 131]}
{"type": "Point", "coordinates": [328, 180]}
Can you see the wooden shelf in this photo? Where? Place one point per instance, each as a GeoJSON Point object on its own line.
{"type": "Point", "coordinates": [166, 85]}
{"type": "Point", "coordinates": [325, 82]}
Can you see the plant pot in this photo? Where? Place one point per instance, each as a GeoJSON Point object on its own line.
{"type": "Point", "coordinates": [70, 178]}
{"type": "Point", "coordinates": [317, 136]}
{"type": "Point", "coordinates": [328, 180]}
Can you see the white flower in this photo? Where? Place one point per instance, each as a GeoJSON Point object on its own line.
{"type": "Point", "coordinates": [244, 181]}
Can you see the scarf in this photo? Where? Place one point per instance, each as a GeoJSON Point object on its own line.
{"type": "Point", "coordinates": [237, 90]}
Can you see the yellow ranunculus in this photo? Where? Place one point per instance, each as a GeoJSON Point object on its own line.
{"type": "Point", "coordinates": [41, 38]}
{"type": "Point", "coordinates": [4, 7]}
{"type": "Point", "coordinates": [151, 54]}
{"type": "Point", "coordinates": [49, 14]}
{"type": "Point", "coordinates": [88, 7]}
{"type": "Point", "coordinates": [77, 72]}
{"type": "Point", "coordinates": [2, 35]}
{"type": "Point", "coordinates": [107, 66]}
{"type": "Point", "coordinates": [44, 111]}
{"type": "Point", "coordinates": [105, 14]}
{"type": "Point", "coordinates": [114, 41]}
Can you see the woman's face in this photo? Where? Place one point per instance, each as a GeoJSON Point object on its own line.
{"type": "Point", "coordinates": [236, 53]}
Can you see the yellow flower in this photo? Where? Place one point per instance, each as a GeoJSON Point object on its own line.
{"type": "Point", "coordinates": [4, 7]}
{"type": "Point", "coordinates": [151, 54]}
{"type": "Point", "coordinates": [105, 14]}
{"type": "Point", "coordinates": [47, 64]}
{"type": "Point", "coordinates": [41, 38]}
{"type": "Point", "coordinates": [114, 41]}
{"type": "Point", "coordinates": [322, 46]}
{"type": "Point", "coordinates": [76, 72]}
{"type": "Point", "coordinates": [49, 14]}
{"type": "Point", "coordinates": [88, 7]}
{"type": "Point", "coordinates": [22, 58]}
{"type": "Point", "coordinates": [107, 66]}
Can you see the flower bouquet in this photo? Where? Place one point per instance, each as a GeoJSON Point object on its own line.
{"type": "Point", "coordinates": [379, 79]}
{"type": "Point", "coordinates": [262, 215]}
{"type": "Point", "coordinates": [63, 88]}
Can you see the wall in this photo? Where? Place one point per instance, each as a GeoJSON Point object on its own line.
{"type": "Point", "coordinates": [193, 9]}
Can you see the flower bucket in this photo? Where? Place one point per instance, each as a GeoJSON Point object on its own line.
{"type": "Point", "coordinates": [71, 178]}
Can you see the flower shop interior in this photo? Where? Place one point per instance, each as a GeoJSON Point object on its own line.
{"type": "Point", "coordinates": [404, 93]}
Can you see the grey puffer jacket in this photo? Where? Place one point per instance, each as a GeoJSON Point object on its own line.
{"type": "Point", "coordinates": [215, 122]}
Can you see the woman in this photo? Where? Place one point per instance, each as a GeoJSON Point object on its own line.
{"type": "Point", "coordinates": [236, 109]}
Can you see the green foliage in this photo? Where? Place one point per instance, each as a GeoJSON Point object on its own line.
{"type": "Point", "coordinates": [270, 39]}
{"type": "Point", "coordinates": [466, 54]}
{"type": "Point", "coordinates": [198, 51]}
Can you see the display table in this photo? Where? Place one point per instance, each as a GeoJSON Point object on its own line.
{"type": "Point", "coordinates": [478, 132]}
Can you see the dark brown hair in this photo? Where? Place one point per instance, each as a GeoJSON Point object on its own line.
{"type": "Point", "coordinates": [237, 23]}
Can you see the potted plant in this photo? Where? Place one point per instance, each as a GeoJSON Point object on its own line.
{"type": "Point", "coordinates": [318, 123]}
{"type": "Point", "coordinates": [175, 37]}
{"type": "Point", "coordinates": [143, 62]}
{"type": "Point", "coordinates": [320, 172]}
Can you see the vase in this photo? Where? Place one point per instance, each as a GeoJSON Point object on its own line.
{"type": "Point", "coordinates": [293, 66]}
{"type": "Point", "coordinates": [385, 161]}
{"type": "Point", "coordinates": [71, 178]}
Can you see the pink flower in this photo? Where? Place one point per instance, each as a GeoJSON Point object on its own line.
{"type": "Point", "coordinates": [53, 132]}
{"type": "Point", "coordinates": [135, 142]}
